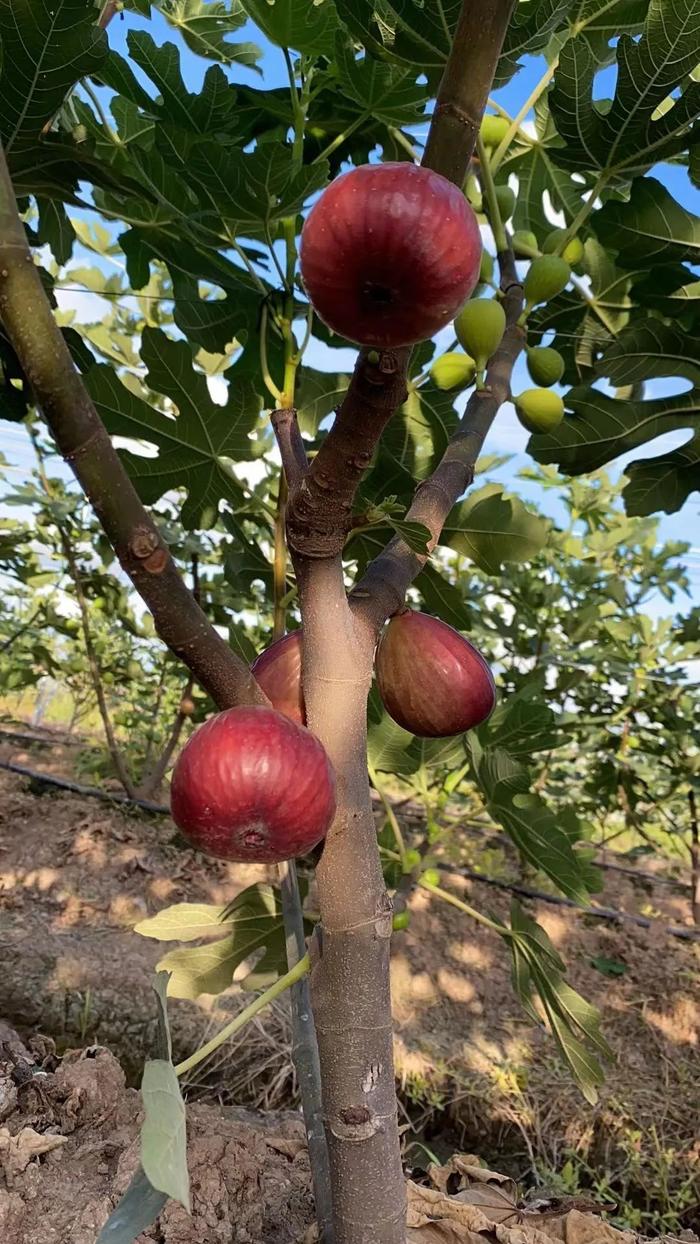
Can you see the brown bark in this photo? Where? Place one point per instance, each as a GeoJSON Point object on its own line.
{"type": "Point", "coordinates": [320, 506]}
{"type": "Point", "coordinates": [85, 444]}
{"type": "Point", "coordinates": [462, 95]}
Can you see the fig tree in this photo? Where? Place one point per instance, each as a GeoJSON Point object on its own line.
{"type": "Point", "coordinates": [479, 327]}
{"type": "Point", "coordinates": [453, 370]}
{"type": "Point", "coordinates": [432, 681]}
{"type": "Point", "coordinates": [252, 786]}
{"type": "Point", "coordinates": [389, 253]}
{"type": "Point", "coordinates": [546, 277]}
{"type": "Point", "coordinates": [278, 671]}
{"type": "Point", "coordinates": [493, 129]}
{"type": "Point", "coordinates": [539, 410]}
{"type": "Point", "coordinates": [572, 252]}
{"type": "Point", "coordinates": [545, 365]}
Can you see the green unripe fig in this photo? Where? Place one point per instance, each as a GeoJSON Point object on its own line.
{"type": "Point", "coordinates": [539, 410]}
{"type": "Point", "coordinates": [431, 876]}
{"type": "Point", "coordinates": [505, 197]}
{"type": "Point", "coordinates": [493, 130]}
{"type": "Point", "coordinates": [545, 365]}
{"type": "Point", "coordinates": [453, 370]}
{"type": "Point", "coordinates": [412, 859]}
{"type": "Point", "coordinates": [472, 192]}
{"type": "Point", "coordinates": [480, 326]}
{"type": "Point", "coordinates": [486, 267]}
{"type": "Point", "coordinates": [546, 277]}
{"type": "Point", "coordinates": [572, 252]}
{"type": "Point", "coordinates": [134, 670]}
{"type": "Point", "coordinates": [401, 920]}
{"type": "Point", "coordinates": [524, 243]}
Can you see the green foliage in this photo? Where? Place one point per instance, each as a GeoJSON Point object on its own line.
{"type": "Point", "coordinates": [252, 922]}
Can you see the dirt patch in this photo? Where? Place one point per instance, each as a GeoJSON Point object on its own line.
{"type": "Point", "coordinates": [474, 1073]}
{"type": "Point", "coordinates": [71, 1148]}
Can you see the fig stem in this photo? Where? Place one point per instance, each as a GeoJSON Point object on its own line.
{"type": "Point", "coordinates": [264, 999]}
{"type": "Point", "coordinates": [488, 190]}
{"type": "Point", "coordinates": [514, 128]}
{"type": "Point", "coordinates": [390, 814]}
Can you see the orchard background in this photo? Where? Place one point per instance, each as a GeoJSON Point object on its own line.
{"type": "Point", "coordinates": [544, 868]}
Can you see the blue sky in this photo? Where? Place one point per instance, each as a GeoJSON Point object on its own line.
{"type": "Point", "coordinates": [507, 436]}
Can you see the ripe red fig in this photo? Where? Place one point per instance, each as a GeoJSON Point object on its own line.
{"type": "Point", "coordinates": [278, 671]}
{"type": "Point", "coordinates": [432, 681]}
{"type": "Point", "coordinates": [252, 786]}
{"type": "Point", "coordinates": [389, 254]}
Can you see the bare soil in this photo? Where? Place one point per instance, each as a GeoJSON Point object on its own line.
{"type": "Point", "coordinates": [75, 875]}
{"type": "Point", "coordinates": [69, 1147]}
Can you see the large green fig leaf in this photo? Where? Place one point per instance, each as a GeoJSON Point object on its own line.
{"type": "Point", "coordinates": [599, 428]}
{"type": "Point", "coordinates": [493, 528]}
{"type": "Point", "coordinates": [206, 27]}
{"type": "Point", "coordinates": [47, 46]}
{"type": "Point", "coordinates": [639, 127]}
{"type": "Point", "coordinates": [652, 228]}
{"type": "Point", "coordinates": [296, 24]}
{"type": "Point", "coordinates": [192, 446]}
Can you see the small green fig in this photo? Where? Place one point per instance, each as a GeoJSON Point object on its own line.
{"type": "Point", "coordinates": [572, 252]}
{"type": "Point", "coordinates": [493, 130]}
{"type": "Point", "coordinates": [412, 859]}
{"type": "Point", "coordinates": [546, 277]}
{"type": "Point", "coordinates": [539, 410]}
{"type": "Point", "coordinates": [453, 370]}
{"type": "Point", "coordinates": [545, 365]}
{"type": "Point", "coordinates": [505, 197]}
{"type": "Point", "coordinates": [401, 920]}
{"type": "Point", "coordinates": [480, 326]}
{"type": "Point", "coordinates": [486, 268]}
{"type": "Point", "coordinates": [431, 876]}
{"type": "Point", "coordinates": [524, 244]}
{"type": "Point", "coordinates": [472, 192]}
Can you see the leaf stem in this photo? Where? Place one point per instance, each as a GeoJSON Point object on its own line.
{"type": "Point", "coordinates": [264, 999]}
{"type": "Point", "coordinates": [488, 189]}
{"type": "Point", "coordinates": [95, 101]}
{"type": "Point", "coordinates": [390, 814]}
{"type": "Point", "coordinates": [264, 368]}
{"type": "Point", "coordinates": [340, 138]}
{"type": "Point", "coordinates": [520, 116]}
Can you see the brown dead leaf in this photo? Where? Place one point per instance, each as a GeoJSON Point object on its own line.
{"type": "Point", "coordinates": [485, 1212]}
{"type": "Point", "coordinates": [16, 1152]}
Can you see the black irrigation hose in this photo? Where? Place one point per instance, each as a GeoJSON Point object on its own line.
{"type": "Point", "coordinates": [600, 913]}
{"type": "Point", "coordinates": [94, 792]}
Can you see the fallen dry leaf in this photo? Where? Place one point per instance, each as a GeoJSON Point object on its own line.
{"type": "Point", "coordinates": [16, 1152]}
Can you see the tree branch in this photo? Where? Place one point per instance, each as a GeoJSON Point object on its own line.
{"type": "Point", "coordinates": [291, 446]}
{"type": "Point", "coordinates": [85, 444]}
{"type": "Point", "coordinates": [465, 87]}
{"type": "Point", "coordinates": [320, 506]}
{"type": "Point", "coordinates": [383, 587]}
